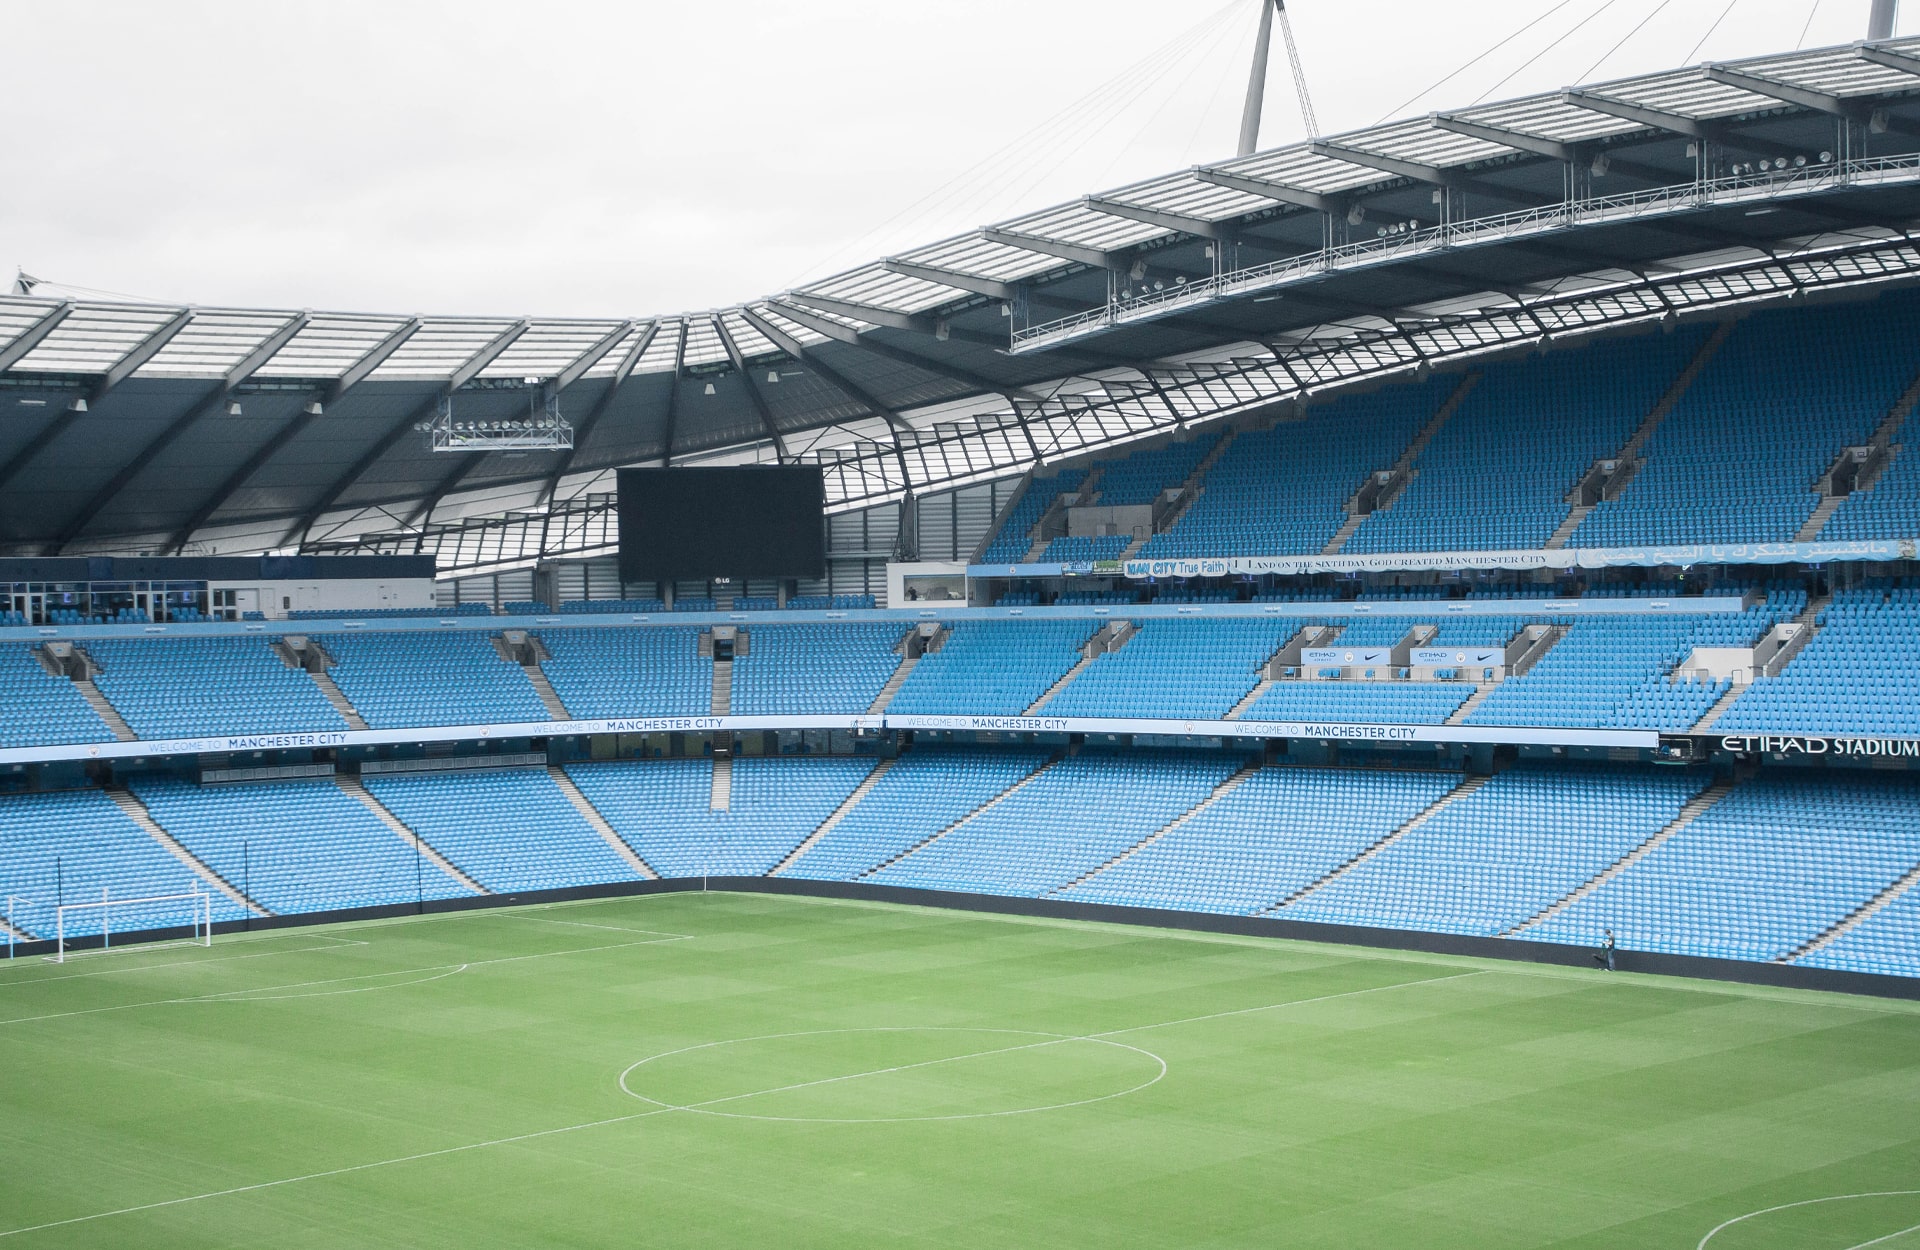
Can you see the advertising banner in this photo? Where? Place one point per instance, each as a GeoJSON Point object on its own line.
{"type": "Point", "coordinates": [1564, 558]}
{"type": "Point", "coordinates": [1442, 657]}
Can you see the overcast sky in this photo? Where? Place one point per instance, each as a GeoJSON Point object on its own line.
{"type": "Point", "coordinates": [578, 158]}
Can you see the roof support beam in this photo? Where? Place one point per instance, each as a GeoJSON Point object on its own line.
{"type": "Point", "coordinates": [872, 314]}
{"type": "Point", "coordinates": [592, 356]}
{"type": "Point", "coordinates": [1671, 122]}
{"type": "Point", "coordinates": [1282, 192]}
{"type": "Point", "coordinates": [1182, 223]}
{"type": "Point", "coordinates": [753, 391]}
{"type": "Point", "coordinates": [356, 373]}
{"type": "Point", "coordinates": [1888, 57]}
{"type": "Point", "coordinates": [673, 395]}
{"type": "Point", "coordinates": [852, 390]}
{"type": "Point", "coordinates": [30, 338]}
{"type": "Point", "coordinates": [1093, 257]}
{"type": "Point", "coordinates": [461, 376]}
{"type": "Point", "coordinates": [1432, 175]}
{"type": "Point", "coordinates": [211, 404]}
{"type": "Point", "coordinates": [959, 280]}
{"type": "Point", "coordinates": [1518, 140]}
{"type": "Point", "coordinates": [1857, 110]}
{"type": "Point", "coordinates": [621, 373]}
{"type": "Point", "coordinates": [146, 350]}
{"type": "Point", "coordinates": [853, 338]}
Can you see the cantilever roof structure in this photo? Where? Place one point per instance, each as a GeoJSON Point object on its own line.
{"type": "Point", "coordinates": [139, 427]}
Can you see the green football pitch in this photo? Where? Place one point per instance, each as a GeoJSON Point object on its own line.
{"type": "Point", "coordinates": [749, 1070]}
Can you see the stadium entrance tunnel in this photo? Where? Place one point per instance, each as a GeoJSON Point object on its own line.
{"type": "Point", "coordinates": [888, 1075]}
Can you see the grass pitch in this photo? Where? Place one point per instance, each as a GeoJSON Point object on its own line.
{"type": "Point", "coordinates": [742, 1070]}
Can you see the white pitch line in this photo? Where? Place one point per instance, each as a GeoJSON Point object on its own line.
{"type": "Point", "coordinates": [228, 995]}
{"type": "Point", "coordinates": [178, 963]}
{"type": "Point", "coordinates": [1721, 1227]}
{"type": "Point", "coordinates": [619, 1119]}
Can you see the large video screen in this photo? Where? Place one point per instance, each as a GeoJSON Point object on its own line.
{"type": "Point", "coordinates": [761, 521]}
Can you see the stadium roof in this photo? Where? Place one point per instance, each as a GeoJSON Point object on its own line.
{"type": "Point", "coordinates": [1203, 292]}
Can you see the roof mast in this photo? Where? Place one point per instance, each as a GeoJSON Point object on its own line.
{"type": "Point", "coordinates": [1880, 20]}
{"type": "Point", "coordinates": [1257, 83]}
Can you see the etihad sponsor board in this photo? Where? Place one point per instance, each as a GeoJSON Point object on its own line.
{"type": "Point", "coordinates": [1799, 744]}
{"type": "Point", "coordinates": [1345, 655]}
{"type": "Point", "coordinates": [1441, 657]}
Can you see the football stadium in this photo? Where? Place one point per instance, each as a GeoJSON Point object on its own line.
{"type": "Point", "coordinates": [1365, 693]}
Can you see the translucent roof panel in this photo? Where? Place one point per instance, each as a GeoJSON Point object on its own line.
{"type": "Point", "coordinates": [547, 348]}
{"type": "Point", "coordinates": [806, 336]}
{"type": "Point", "coordinates": [1425, 143]}
{"type": "Point", "coordinates": [18, 316]}
{"type": "Point", "coordinates": [1078, 224]}
{"type": "Point", "coordinates": [703, 342]}
{"type": "Point", "coordinates": [658, 358]}
{"type": "Point", "coordinates": [329, 345]}
{"type": "Point", "coordinates": [1836, 71]}
{"type": "Point", "coordinates": [94, 338]}
{"type": "Point", "coordinates": [1689, 93]}
{"type": "Point", "coordinates": [1551, 117]}
{"type": "Point", "coordinates": [975, 255]}
{"type": "Point", "coordinates": [1183, 193]}
{"type": "Point", "coordinates": [213, 343]}
{"type": "Point", "coordinates": [749, 340]}
{"type": "Point", "coordinates": [876, 286]}
{"type": "Point", "coordinates": [439, 349]}
{"type": "Point", "coordinates": [1297, 167]}
{"type": "Point", "coordinates": [605, 366]}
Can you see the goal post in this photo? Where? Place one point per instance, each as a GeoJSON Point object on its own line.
{"type": "Point", "coordinates": [197, 905]}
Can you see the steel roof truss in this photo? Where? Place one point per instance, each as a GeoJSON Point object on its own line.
{"type": "Point", "coordinates": [753, 391]}
{"type": "Point", "coordinates": [1283, 192]}
{"type": "Point", "coordinates": [30, 338]}
{"type": "Point", "coordinates": [1076, 253]}
{"type": "Point", "coordinates": [959, 280]}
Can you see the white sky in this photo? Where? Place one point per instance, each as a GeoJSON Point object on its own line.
{"type": "Point", "coordinates": [580, 158]}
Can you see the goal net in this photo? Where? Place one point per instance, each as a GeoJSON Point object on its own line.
{"type": "Point", "coordinates": [153, 911]}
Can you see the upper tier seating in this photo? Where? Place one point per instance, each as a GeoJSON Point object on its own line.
{"type": "Point", "coordinates": [1497, 856]}
{"type": "Point", "coordinates": [836, 669]}
{"type": "Point", "coordinates": [1891, 507]}
{"type": "Point", "coordinates": [510, 829]}
{"type": "Point", "coordinates": [1015, 538]}
{"type": "Point", "coordinates": [1071, 819]}
{"type": "Point", "coordinates": [1860, 674]}
{"type": "Point", "coordinates": [1284, 491]}
{"type": "Point", "coordinates": [1360, 702]}
{"type": "Point", "coordinates": [1775, 863]}
{"type": "Point", "coordinates": [613, 606]}
{"type": "Point", "coordinates": [1141, 477]}
{"type": "Point", "coordinates": [1736, 458]}
{"type": "Point", "coordinates": [402, 681]}
{"type": "Point", "coordinates": [922, 793]}
{"type": "Point", "coordinates": [1496, 476]}
{"type": "Point", "coordinates": [186, 687]}
{"type": "Point", "coordinates": [71, 845]}
{"type": "Point", "coordinates": [1886, 943]}
{"type": "Point", "coordinates": [39, 709]}
{"type": "Point", "coordinates": [653, 671]}
{"type": "Point", "coordinates": [1177, 669]}
{"type": "Point", "coordinates": [295, 846]}
{"type": "Point", "coordinates": [1279, 831]}
{"type": "Point", "coordinates": [992, 668]}
{"type": "Point", "coordinates": [660, 808]}
{"type": "Point", "coordinates": [1069, 550]}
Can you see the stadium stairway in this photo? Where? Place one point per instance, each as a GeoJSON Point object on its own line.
{"type": "Point", "coordinates": [527, 652]}
{"type": "Point", "coordinates": [591, 814]}
{"type": "Point", "coordinates": [720, 797]}
{"type": "Point", "coordinates": [1809, 622]}
{"type": "Point", "coordinates": [839, 813]}
{"type": "Point", "coordinates": [1190, 490]}
{"type": "Point", "coordinates": [1109, 637]}
{"type": "Point", "coordinates": [1614, 481]}
{"type": "Point", "coordinates": [1695, 808]}
{"type": "Point", "coordinates": [987, 806]}
{"type": "Point", "coordinates": [722, 704]}
{"type": "Point", "coordinates": [1221, 791]}
{"type": "Point", "coordinates": [352, 787]}
{"type": "Point", "coordinates": [122, 732]}
{"type": "Point", "coordinates": [1879, 901]}
{"type": "Point", "coordinates": [16, 933]}
{"type": "Point", "coordinates": [1474, 700]}
{"type": "Point", "coordinates": [1286, 656]}
{"type": "Point", "coordinates": [1881, 452]}
{"type": "Point", "coordinates": [338, 698]}
{"type": "Point", "coordinates": [1466, 787]}
{"type": "Point", "coordinates": [544, 688]}
{"type": "Point", "coordinates": [1402, 468]}
{"type": "Point", "coordinates": [1735, 689]}
{"type": "Point", "coordinates": [893, 685]}
{"type": "Point", "coordinates": [1088, 492]}
{"type": "Point", "coordinates": [137, 812]}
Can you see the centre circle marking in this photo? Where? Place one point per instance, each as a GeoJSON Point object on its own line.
{"type": "Point", "coordinates": [712, 1106]}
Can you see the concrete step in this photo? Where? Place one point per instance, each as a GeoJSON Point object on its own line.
{"type": "Point", "coordinates": [14, 933]}
{"type": "Point", "coordinates": [1692, 811]}
{"type": "Point", "coordinates": [1853, 921]}
{"type": "Point", "coordinates": [1466, 787]}
{"type": "Point", "coordinates": [852, 801]}
{"type": "Point", "coordinates": [1340, 536]}
{"type": "Point", "coordinates": [1079, 667]}
{"type": "Point", "coordinates": [722, 687]}
{"type": "Point", "coordinates": [1252, 697]}
{"type": "Point", "coordinates": [136, 811]}
{"type": "Point", "coordinates": [338, 698]}
{"type": "Point", "coordinates": [1664, 405]}
{"type": "Point", "coordinates": [352, 788]}
{"type": "Point", "coordinates": [989, 805]}
{"type": "Point", "coordinates": [1221, 791]}
{"type": "Point", "coordinates": [1719, 708]}
{"type": "Point", "coordinates": [721, 797]}
{"type": "Point", "coordinates": [1829, 505]}
{"type": "Point", "coordinates": [893, 685]}
{"type": "Point", "coordinates": [592, 816]}
{"type": "Point", "coordinates": [556, 710]}
{"type": "Point", "coordinates": [1479, 696]}
{"type": "Point", "coordinates": [122, 732]}
{"type": "Point", "coordinates": [1558, 539]}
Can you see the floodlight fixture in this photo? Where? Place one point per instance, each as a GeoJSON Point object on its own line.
{"type": "Point", "coordinates": [773, 375]}
{"type": "Point", "coordinates": [233, 407]}
{"type": "Point", "coordinates": [709, 389]}
{"type": "Point", "coordinates": [79, 404]}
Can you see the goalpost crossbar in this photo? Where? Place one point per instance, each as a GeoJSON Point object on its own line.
{"type": "Point", "coordinates": [202, 917]}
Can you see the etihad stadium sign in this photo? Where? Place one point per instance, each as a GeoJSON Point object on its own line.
{"type": "Point", "coordinates": [1801, 744]}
